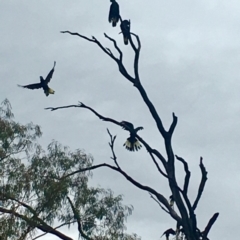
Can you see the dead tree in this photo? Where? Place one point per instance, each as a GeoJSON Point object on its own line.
{"type": "Point", "coordinates": [184, 211]}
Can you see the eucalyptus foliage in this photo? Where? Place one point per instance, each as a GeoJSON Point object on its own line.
{"type": "Point", "coordinates": [38, 191]}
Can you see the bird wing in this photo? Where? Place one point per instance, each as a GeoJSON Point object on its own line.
{"type": "Point", "coordinates": [168, 232]}
{"type": "Point", "coordinates": [138, 128]}
{"type": "Point", "coordinates": [49, 76]}
{"type": "Point", "coordinates": [128, 124]}
{"type": "Point", "coordinates": [32, 86]}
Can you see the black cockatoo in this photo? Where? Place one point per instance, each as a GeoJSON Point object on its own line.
{"type": "Point", "coordinates": [132, 143]}
{"type": "Point", "coordinates": [168, 232]}
{"type": "Point", "coordinates": [125, 27]}
{"type": "Point", "coordinates": [43, 83]}
{"type": "Point", "coordinates": [114, 15]}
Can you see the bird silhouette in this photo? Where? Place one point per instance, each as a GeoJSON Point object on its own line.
{"type": "Point", "coordinates": [43, 83]}
{"type": "Point", "coordinates": [114, 15]}
{"type": "Point", "coordinates": [125, 27]}
{"type": "Point", "coordinates": [168, 232]}
{"type": "Point", "coordinates": [132, 143]}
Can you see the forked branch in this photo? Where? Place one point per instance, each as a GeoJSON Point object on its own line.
{"type": "Point", "coordinates": [187, 176]}
{"type": "Point", "coordinates": [159, 196]}
{"type": "Point", "coordinates": [111, 144]}
{"type": "Point", "coordinates": [160, 205]}
{"type": "Point", "coordinates": [121, 67]}
{"type": "Point", "coordinates": [136, 58]}
{"type": "Point", "coordinates": [115, 45]}
{"type": "Point", "coordinates": [136, 80]}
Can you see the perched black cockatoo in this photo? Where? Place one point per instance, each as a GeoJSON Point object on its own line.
{"type": "Point", "coordinates": [43, 83]}
{"type": "Point", "coordinates": [168, 232]}
{"type": "Point", "coordinates": [132, 143]}
{"type": "Point", "coordinates": [125, 27]}
{"type": "Point", "coordinates": [114, 15]}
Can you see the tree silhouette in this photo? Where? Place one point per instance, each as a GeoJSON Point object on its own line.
{"type": "Point", "coordinates": [184, 211]}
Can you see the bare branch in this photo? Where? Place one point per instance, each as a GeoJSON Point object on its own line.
{"type": "Point", "coordinates": [202, 184]}
{"type": "Point", "coordinates": [185, 190]}
{"type": "Point", "coordinates": [116, 46]}
{"type": "Point", "coordinates": [152, 110]}
{"type": "Point", "coordinates": [61, 225]}
{"type": "Point", "coordinates": [100, 116]}
{"type": "Point", "coordinates": [138, 40]}
{"type": "Point", "coordinates": [158, 203]}
{"type": "Point", "coordinates": [79, 35]}
{"type": "Point", "coordinates": [82, 105]}
{"type": "Point", "coordinates": [159, 196]}
{"type": "Point", "coordinates": [187, 176]}
{"type": "Point", "coordinates": [209, 225]}
{"type": "Point", "coordinates": [122, 69]}
{"type": "Point", "coordinates": [188, 225]}
{"type": "Point", "coordinates": [53, 109]}
{"type": "Point", "coordinates": [173, 125]}
{"type": "Point", "coordinates": [111, 144]}
{"type": "Point", "coordinates": [157, 166]}
{"type": "Point", "coordinates": [135, 49]}
{"type": "Point", "coordinates": [136, 58]}
{"type": "Point", "coordinates": [94, 40]}
{"type": "Point", "coordinates": [45, 228]}
{"type": "Point", "coordinates": [109, 51]}
{"type": "Point", "coordinates": [154, 151]}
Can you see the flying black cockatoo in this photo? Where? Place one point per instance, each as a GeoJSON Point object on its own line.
{"type": "Point", "coordinates": [125, 27]}
{"type": "Point", "coordinates": [43, 83]}
{"type": "Point", "coordinates": [114, 15]}
{"type": "Point", "coordinates": [132, 143]}
{"type": "Point", "coordinates": [168, 232]}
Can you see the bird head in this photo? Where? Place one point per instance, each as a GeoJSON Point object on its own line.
{"type": "Point", "coordinates": [41, 79]}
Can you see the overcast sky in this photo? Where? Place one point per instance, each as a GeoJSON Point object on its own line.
{"type": "Point", "coordinates": [189, 65]}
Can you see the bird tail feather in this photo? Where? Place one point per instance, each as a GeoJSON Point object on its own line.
{"type": "Point", "coordinates": [125, 40]}
{"type": "Point", "coordinates": [49, 91]}
{"type": "Point", "coordinates": [132, 145]}
{"type": "Point", "coordinates": [114, 22]}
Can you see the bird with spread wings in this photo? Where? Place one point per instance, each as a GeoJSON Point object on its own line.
{"type": "Point", "coordinates": [132, 143]}
{"type": "Point", "coordinates": [43, 83]}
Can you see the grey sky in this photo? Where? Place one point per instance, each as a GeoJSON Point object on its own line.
{"type": "Point", "coordinates": [189, 65]}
